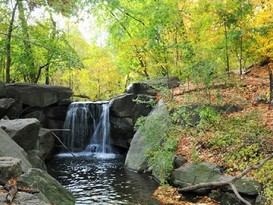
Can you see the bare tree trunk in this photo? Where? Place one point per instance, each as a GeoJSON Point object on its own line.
{"type": "Point", "coordinates": [270, 86]}
{"type": "Point", "coordinates": [8, 44]}
{"type": "Point", "coordinates": [226, 47]}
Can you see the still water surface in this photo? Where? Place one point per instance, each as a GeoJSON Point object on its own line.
{"type": "Point", "coordinates": [100, 179]}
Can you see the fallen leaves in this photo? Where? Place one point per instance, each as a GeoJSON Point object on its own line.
{"type": "Point", "coordinates": [169, 195]}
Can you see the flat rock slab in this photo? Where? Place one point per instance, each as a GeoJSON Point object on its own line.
{"type": "Point", "coordinates": [23, 198]}
{"type": "Point", "coordinates": [34, 94]}
{"type": "Point", "coordinates": [9, 148]}
{"type": "Point", "coordinates": [23, 131]}
{"type": "Point", "coordinates": [9, 168]}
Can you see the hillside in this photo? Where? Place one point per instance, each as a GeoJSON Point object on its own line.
{"type": "Point", "coordinates": [232, 140]}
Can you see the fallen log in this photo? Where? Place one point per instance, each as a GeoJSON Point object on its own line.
{"type": "Point", "coordinates": [230, 182]}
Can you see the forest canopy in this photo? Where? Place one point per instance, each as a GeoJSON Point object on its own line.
{"type": "Point", "coordinates": [196, 40]}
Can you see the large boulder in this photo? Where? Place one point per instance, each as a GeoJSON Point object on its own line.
{"type": "Point", "coordinates": [49, 186]}
{"type": "Point", "coordinates": [45, 144]}
{"type": "Point", "coordinates": [23, 131]}
{"type": "Point", "coordinates": [195, 173]}
{"type": "Point", "coordinates": [9, 148]}
{"type": "Point", "coordinates": [35, 95]}
{"type": "Point", "coordinates": [136, 158]}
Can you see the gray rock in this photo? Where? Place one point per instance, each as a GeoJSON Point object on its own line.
{"type": "Point", "coordinates": [122, 105]}
{"type": "Point", "coordinates": [5, 105]}
{"type": "Point", "coordinates": [122, 131]}
{"type": "Point", "coordinates": [247, 187]}
{"type": "Point", "coordinates": [9, 148]}
{"type": "Point", "coordinates": [136, 158]}
{"type": "Point", "coordinates": [24, 198]}
{"type": "Point", "coordinates": [178, 161]}
{"type": "Point", "coordinates": [140, 88]}
{"type": "Point", "coordinates": [10, 167]}
{"type": "Point", "coordinates": [35, 94]}
{"type": "Point", "coordinates": [34, 157]}
{"type": "Point", "coordinates": [195, 173]}
{"type": "Point", "coordinates": [49, 186]}
{"type": "Point", "coordinates": [23, 131]}
{"type": "Point", "coordinates": [45, 143]}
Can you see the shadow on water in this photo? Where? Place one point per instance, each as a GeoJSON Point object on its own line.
{"type": "Point", "coordinates": [100, 179]}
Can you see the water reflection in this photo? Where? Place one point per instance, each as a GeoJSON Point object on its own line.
{"type": "Point", "coordinates": [101, 179]}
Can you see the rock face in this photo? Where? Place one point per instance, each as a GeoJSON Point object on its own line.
{"type": "Point", "coordinates": [10, 167]}
{"type": "Point", "coordinates": [9, 148]}
{"type": "Point", "coordinates": [50, 187]}
{"type": "Point", "coordinates": [45, 144]}
{"type": "Point", "coordinates": [23, 131]}
{"type": "Point", "coordinates": [35, 95]}
{"type": "Point", "coordinates": [34, 157]}
{"type": "Point", "coordinates": [124, 111]}
{"type": "Point", "coordinates": [136, 158]}
{"type": "Point", "coordinates": [46, 103]}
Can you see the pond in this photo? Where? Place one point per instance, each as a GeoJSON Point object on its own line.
{"type": "Point", "coordinates": [101, 179]}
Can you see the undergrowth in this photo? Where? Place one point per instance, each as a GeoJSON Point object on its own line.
{"type": "Point", "coordinates": [236, 141]}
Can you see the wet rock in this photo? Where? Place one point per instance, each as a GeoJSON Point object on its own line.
{"type": "Point", "coordinates": [9, 148]}
{"type": "Point", "coordinates": [10, 167]}
{"type": "Point", "coordinates": [50, 187]}
{"type": "Point", "coordinates": [45, 144]}
{"type": "Point", "coordinates": [23, 131]}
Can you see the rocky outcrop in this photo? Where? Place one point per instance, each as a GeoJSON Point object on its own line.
{"type": "Point", "coordinates": [23, 131]}
{"type": "Point", "coordinates": [35, 95]}
{"type": "Point", "coordinates": [136, 158]}
{"type": "Point", "coordinates": [125, 109]}
{"type": "Point", "coordinates": [50, 187]}
{"type": "Point", "coordinates": [9, 148]}
{"type": "Point", "coordinates": [46, 103]}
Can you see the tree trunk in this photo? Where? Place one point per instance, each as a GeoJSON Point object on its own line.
{"type": "Point", "coordinates": [8, 44]}
{"type": "Point", "coordinates": [226, 47]}
{"type": "Point", "coordinates": [31, 75]}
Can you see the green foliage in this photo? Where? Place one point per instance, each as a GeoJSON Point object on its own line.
{"type": "Point", "coordinates": [161, 141]}
{"type": "Point", "coordinates": [237, 142]}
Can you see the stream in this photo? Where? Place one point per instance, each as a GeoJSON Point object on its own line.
{"type": "Point", "coordinates": [101, 179]}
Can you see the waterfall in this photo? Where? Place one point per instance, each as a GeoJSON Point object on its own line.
{"type": "Point", "coordinates": [90, 127]}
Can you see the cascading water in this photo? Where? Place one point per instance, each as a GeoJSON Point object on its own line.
{"type": "Point", "coordinates": [96, 175]}
{"type": "Point", "coordinates": [89, 125]}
